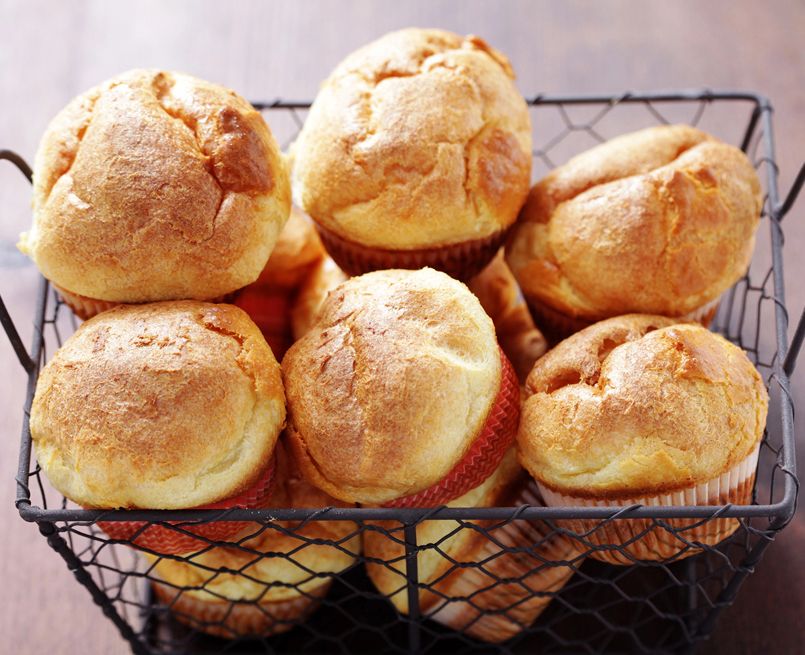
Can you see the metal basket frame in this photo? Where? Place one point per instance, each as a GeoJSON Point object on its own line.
{"type": "Point", "coordinates": [778, 513]}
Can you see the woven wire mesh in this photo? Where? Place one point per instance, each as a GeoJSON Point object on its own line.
{"type": "Point", "coordinates": [551, 599]}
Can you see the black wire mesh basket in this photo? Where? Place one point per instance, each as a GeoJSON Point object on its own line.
{"type": "Point", "coordinates": [581, 604]}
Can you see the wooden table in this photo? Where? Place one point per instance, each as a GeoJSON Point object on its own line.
{"type": "Point", "coordinates": [51, 51]}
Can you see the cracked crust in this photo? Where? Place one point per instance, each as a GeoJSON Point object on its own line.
{"type": "Point", "coordinates": [162, 406]}
{"type": "Point", "coordinates": [155, 186]}
{"type": "Point", "coordinates": [660, 221]}
{"type": "Point", "coordinates": [419, 139]}
{"type": "Point", "coordinates": [636, 406]}
{"type": "Point", "coordinates": [392, 385]}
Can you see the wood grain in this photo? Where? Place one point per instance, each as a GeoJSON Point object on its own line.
{"type": "Point", "coordinates": [51, 51]}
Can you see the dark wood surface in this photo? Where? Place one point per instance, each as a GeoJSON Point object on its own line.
{"type": "Point", "coordinates": [50, 51]}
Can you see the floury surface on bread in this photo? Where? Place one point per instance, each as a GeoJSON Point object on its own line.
{"type": "Point", "coordinates": [160, 406]}
{"type": "Point", "coordinates": [659, 221]}
{"type": "Point", "coordinates": [419, 139]}
{"type": "Point", "coordinates": [392, 384]}
{"type": "Point", "coordinates": [638, 406]}
{"type": "Point", "coordinates": [156, 186]}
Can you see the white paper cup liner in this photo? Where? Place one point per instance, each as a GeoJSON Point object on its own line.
{"type": "Point", "coordinates": [622, 541]}
{"type": "Point", "coordinates": [517, 604]}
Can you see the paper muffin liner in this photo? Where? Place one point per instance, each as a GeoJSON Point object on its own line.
{"type": "Point", "coordinates": [234, 619]}
{"type": "Point", "coordinates": [270, 309]}
{"type": "Point", "coordinates": [553, 324]}
{"type": "Point", "coordinates": [166, 541]}
{"type": "Point", "coordinates": [641, 539]}
{"type": "Point", "coordinates": [485, 453]}
{"type": "Point", "coordinates": [460, 260]}
{"type": "Point", "coordinates": [85, 308]}
{"type": "Point", "coordinates": [534, 577]}
{"type": "Point", "coordinates": [557, 326]}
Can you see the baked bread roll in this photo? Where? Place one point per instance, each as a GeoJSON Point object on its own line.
{"type": "Point", "coordinates": [400, 394]}
{"type": "Point", "coordinates": [170, 405]}
{"type": "Point", "coordinates": [270, 582]}
{"type": "Point", "coordinates": [508, 589]}
{"type": "Point", "coordinates": [660, 221]}
{"type": "Point", "coordinates": [155, 186]}
{"type": "Point", "coordinates": [501, 299]}
{"type": "Point", "coordinates": [636, 409]}
{"type": "Point", "coordinates": [416, 152]}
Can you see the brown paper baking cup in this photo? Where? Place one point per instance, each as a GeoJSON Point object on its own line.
{"type": "Point", "coordinates": [554, 325]}
{"type": "Point", "coordinates": [85, 308]}
{"type": "Point", "coordinates": [533, 577]}
{"type": "Point", "coordinates": [233, 619]}
{"type": "Point", "coordinates": [460, 260]}
{"type": "Point", "coordinates": [557, 326]}
{"type": "Point", "coordinates": [625, 540]}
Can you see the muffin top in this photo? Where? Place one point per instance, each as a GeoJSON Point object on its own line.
{"type": "Point", "coordinates": [209, 584]}
{"type": "Point", "coordinates": [660, 221]}
{"type": "Point", "coordinates": [156, 186]}
{"type": "Point", "coordinates": [637, 405]}
{"type": "Point", "coordinates": [161, 406]}
{"type": "Point", "coordinates": [416, 140]}
{"type": "Point", "coordinates": [391, 386]}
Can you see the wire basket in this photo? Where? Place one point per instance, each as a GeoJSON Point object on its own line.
{"type": "Point", "coordinates": [658, 606]}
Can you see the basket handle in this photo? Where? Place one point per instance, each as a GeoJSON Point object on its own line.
{"type": "Point", "coordinates": [799, 334]}
{"type": "Point", "coordinates": [5, 318]}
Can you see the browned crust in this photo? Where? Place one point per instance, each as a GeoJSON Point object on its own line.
{"type": "Point", "coordinates": [660, 221]}
{"type": "Point", "coordinates": [156, 185]}
{"type": "Point", "coordinates": [637, 406]}
{"type": "Point", "coordinates": [395, 358]}
{"type": "Point", "coordinates": [166, 405]}
{"type": "Point", "coordinates": [418, 139]}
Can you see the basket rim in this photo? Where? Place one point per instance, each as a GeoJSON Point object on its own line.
{"type": "Point", "coordinates": [778, 513]}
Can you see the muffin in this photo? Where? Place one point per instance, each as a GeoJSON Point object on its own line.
{"type": "Point", "coordinates": [171, 405]}
{"type": "Point", "coordinates": [400, 395]}
{"type": "Point", "coordinates": [508, 589]}
{"type": "Point", "coordinates": [416, 152]}
{"type": "Point", "coordinates": [268, 301]}
{"type": "Point", "coordinates": [324, 277]}
{"type": "Point", "coordinates": [272, 581]}
{"type": "Point", "coordinates": [501, 299]}
{"type": "Point", "coordinates": [660, 221]}
{"type": "Point", "coordinates": [155, 186]}
{"type": "Point", "coordinates": [639, 410]}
